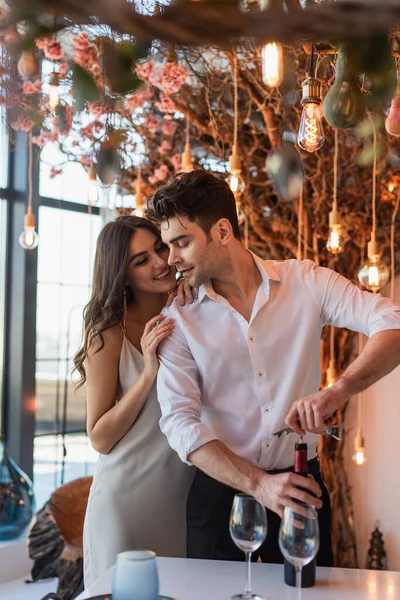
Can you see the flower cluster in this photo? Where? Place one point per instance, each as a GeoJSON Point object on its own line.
{"type": "Point", "coordinates": [85, 54]}
{"type": "Point", "coordinates": [169, 77]}
{"type": "Point", "coordinates": [51, 48]}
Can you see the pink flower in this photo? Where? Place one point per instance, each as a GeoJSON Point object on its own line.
{"type": "Point", "coordinates": [54, 172]}
{"type": "Point", "coordinates": [152, 180]}
{"type": "Point", "coordinates": [32, 88]}
{"type": "Point", "coordinates": [165, 147]}
{"type": "Point", "coordinates": [53, 50]}
{"type": "Point", "coordinates": [85, 160]}
{"type": "Point", "coordinates": [166, 105]}
{"type": "Point", "coordinates": [151, 123]}
{"type": "Point", "coordinates": [97, 109]}
{"type": "Point", "coordinates": [81, 41]}
{"type": "Point", "coordinates": [148, 72]}
{"type": "Point", "coordinates": [173, 76]}
{"type": "Point", "coordinates": [41, 43]}
{"type": "Point", "coordinates": [169, 127]}
{"type": "Point", "coordinates": [161, 173]}
{"type": "Point", "coordinates": [177, 161]}
{"type": "Point", "coordinates": [22, 123]}
{"type": "Point", "coordinates": [68, 122]}
{"type": "Point", "coordinates": [39, 140]}
{"type": "Point", "coordinates": [138, 98]}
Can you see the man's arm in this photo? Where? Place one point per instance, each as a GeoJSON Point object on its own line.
{"type": "Point", "coordinates": [343, 304]}
{"type": "Point", "coordinates": [273, 491]}
{"type": "Point", "coordinates": [381, 354]}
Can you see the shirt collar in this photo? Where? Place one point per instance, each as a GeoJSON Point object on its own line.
{"type": "Point", "coordinates": [264, 266]}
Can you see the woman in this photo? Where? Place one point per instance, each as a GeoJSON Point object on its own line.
{"type": "Point", "coordinates": [138, 496]}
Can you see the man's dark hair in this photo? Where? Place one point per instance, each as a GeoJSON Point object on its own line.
{"type": "Point", "coordinates": [200, 196]}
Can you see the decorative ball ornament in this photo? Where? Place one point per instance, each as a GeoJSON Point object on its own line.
{"type": "Point", "coordinates": [376, 559]}
{"type": "Point", "coordinates": [392, 123]}
{"type": "Point", "coordinates": [28, 65]}
{"type": "Point", "coordinates": [285, 169]}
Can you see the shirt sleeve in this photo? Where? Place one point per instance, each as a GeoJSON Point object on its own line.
{"type": "Point", "coordinates": [179, 395]}
{"type": "Point", "coordinates": [344, 304]}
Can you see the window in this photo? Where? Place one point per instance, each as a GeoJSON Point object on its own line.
{"type": "Point", "coordinates": [65, 259]}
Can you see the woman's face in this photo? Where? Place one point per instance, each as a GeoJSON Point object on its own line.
{"type": "Point", "coordinates": [148, 270]}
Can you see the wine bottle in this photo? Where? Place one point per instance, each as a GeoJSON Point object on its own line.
{"type": "Point", "coordinates": [308, 571]}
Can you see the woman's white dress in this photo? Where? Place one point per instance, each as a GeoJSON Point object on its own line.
{"type": "Point", "coordinates": [139, 491]}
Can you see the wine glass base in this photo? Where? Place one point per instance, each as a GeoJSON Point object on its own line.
{"type": "Point", "coordinates": [245, 596]}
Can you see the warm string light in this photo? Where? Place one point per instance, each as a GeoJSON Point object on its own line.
{"type": "Point", "coordinates": [334, 243]}
{"type": "Point", "coordinates": [374, 274]}
{"type": "Point", "coordinates": [359, 449]}
{"type": "Point", "coordinates": [29, 239]}
{"type": "Point", "coordinates": [392, 246]}
{"type": "Point", "coordinates": [235, 179]}
{"type": "Point", "coordinates": [331, 374]}
{"type": "Point", "coordinates": [187, 158]}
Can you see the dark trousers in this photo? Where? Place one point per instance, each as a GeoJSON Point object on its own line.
{"type": "Point", "coordinates": [208, 512]}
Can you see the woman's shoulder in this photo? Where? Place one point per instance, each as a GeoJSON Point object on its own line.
{"type": "Point", "coordinates": [111, 342]}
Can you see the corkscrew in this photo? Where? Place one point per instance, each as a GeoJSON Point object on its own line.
{"type": "Point", "coordinates": [335, 431]}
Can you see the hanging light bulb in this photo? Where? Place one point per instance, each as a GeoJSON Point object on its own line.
{"type": "Point", "coordinates": [359, 450]}
{"type": "Point", "coordinates": [311, 133]}
{"type": "Point", "coordinates": [240, 211]}
{"type": "Point", "coordinates": [29, 239]}
{"type": "Point", "coordinates": [54, 98]}
{"type": "Point", "coordinates": [272, 64]}
{"type": "Point", "coordinates": [235, 179]}
{"type": "Point", "coordinates": [93, 194]}
{"type": "Point", "coordinates": [334, 243]}
{"type": "Point", "coordinates": [374, 274]}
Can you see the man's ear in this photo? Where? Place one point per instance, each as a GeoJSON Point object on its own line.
{"type": "Point", "coordinates": [223, 229]}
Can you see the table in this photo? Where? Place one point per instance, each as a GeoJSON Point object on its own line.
{"type": "Point", "coordinates": [193, 579]}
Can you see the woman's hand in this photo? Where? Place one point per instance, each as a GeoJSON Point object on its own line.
{"type": "Point", "coordinates": [184, 292]}
{"type": "Point", "coordinates": [156, 330]}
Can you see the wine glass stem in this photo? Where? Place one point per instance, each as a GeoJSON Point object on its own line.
{"type": "Point", "coordinates": [248, 569]}
{"type": "Point", "coordinates": [298, 578]}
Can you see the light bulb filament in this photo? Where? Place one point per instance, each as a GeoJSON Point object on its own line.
{"type": "Point", "coordinates": [272, 64]}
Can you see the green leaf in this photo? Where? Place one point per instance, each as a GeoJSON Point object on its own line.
{"type": "Point", "coordinates": [118, 63]}
{"type": "Point", "coordinates": [84, 88]}
{"type": "Point", "coordinates": [62, 118]}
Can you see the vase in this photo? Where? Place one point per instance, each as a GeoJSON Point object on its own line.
{"type": "Point", "coordinates": [17, 502]}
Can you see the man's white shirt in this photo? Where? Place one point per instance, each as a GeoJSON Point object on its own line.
{"type": "Point", "coordinates": [223, 378]}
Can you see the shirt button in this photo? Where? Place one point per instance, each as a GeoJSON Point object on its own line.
{"type": "Point", "coordinates": [267, 445]}
{"type": "Point", "coordinates": [260, 374]}
{"type": "Point", "coordinates": [266, 409]}
{"type": "Point", "coordinates": [251, 339]}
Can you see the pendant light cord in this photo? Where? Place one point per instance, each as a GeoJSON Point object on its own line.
{"type": "Point", "coordinates": [392, 245]}
{"type": "Point", "coordinates": [331, 344]}
{"type": "Point", "coordinates": [300, 223]}
{"type": "Point", "coordinates": [30, 168]}
{"type": "Point", "coordinates": [335, 168]}
{"type": "Point", "coordinates": [373, 179]}
{"type": "Point", "coordinates": [235, 99]}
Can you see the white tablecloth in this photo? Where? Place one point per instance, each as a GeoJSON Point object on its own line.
{"type": "Point", "coordinates": [189, 579]}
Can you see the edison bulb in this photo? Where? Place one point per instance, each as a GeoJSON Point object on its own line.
{"type": "Point", "coordinates": [29, 239]}
{"type": "Point", "coordinates": [374, 274]}
{"type": "Point", "coordinates": [236, 183]}
{"type": "Point", "coordinates": [311, 133]}
{"type": "Point", "coordinates": [334, 243]}
{"type": "Point", "coordinates": [272, 64]}
{"type": "Point", "coordinates": [359, 457]}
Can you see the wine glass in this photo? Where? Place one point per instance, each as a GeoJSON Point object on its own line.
{"type": "Point", "coordinates": [248, 529]}
{"type": "Point", "coordinates": [299, 537]}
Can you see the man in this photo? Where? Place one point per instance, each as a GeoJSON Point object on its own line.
{"type": "Point", "coordinates": [243, 360]}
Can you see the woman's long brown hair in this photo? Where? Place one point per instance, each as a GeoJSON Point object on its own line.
{"type": "Point", "coordinates": [106, 306]}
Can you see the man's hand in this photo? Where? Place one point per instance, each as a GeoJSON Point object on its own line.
{"type": "Point", "coordinates": [313, 412]}
{"type": "Point", "coordinates": [278, 491]}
